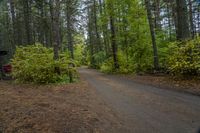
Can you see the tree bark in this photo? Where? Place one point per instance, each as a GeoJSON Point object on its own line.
{"type": "Point", "coordinates": [183, 32]}
{"type": "Point", "coordinates": [27, 18]}
{"type": "Point", "coordinates": [70, 30]}
{"type": "Point", "coordinates": [98, 40]}
{"type": "Point", "coordinates": [191, 19]}
{"type": "Point", "coordinates": [113, 42]}
{"type": "Point", "coordinates": [153, 36]}
{"type": "Point", "coordinates": [55, 13]}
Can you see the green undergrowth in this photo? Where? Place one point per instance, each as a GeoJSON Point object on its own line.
{"type": "Point", "coordinates": [179, 59]}
{"type": "Point", "coordinates": [35, 64]}
{"type": "Point", "coordinates": [184, 58]}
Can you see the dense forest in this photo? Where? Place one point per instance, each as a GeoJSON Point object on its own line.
{"type": "Point", "coordinates": [123, 36]}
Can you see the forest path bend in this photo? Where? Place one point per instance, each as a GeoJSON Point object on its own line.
{"type": "Point", "coordinates": [143, 108]}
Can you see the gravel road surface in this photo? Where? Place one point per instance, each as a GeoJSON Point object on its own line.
{"type": "Point", "coordinates": [146, 109]}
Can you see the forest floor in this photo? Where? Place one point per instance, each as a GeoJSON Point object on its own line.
{"type": "Point", "coordinates": [73, 108]}
{"type": "Point", "coordinates": [191, 86]}
{"type": "Point", "coordinates": [101, 103]}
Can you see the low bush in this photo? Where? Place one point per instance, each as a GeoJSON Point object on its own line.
{"type": "Point", "coordinates": [107, 66]}
{"type": "Point", "coordinates": [184, 59]}
{"type": "Point", "coordinates": [125, 66]}
{"type": "Point", "coordinates": [136, 60]}
{"type": "Point", "coordinates": [35, 64]}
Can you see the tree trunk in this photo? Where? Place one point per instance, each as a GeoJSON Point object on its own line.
{"type": "Point", "coordinates": [183, 32]}
{"type": "Point", "coordinates": [12, 11]}
{"type": "Point", "coordinates": [90, 36]}
{"type": "Point", "coordinates": [27, 18]}
{"type": "Point", "coordinates": [191, 19]}
{"type": "Point", "coordinates": [98, 40]}
{"type": "Point", "coordinates": [104, 29]}
{"type": "Point", "coordinates": [169, 21]}
{"type": "Point", "coordinates": [55, 13]}
{"type": "Point", "coordinates": [153, 36]}
{"type": "Point", "coordinates": [113, 42]}
{"type": "Point", "coordinates": [69, 32]}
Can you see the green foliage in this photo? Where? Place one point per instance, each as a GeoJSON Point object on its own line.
{"type": "Point", "coordinates": [184, 60]}
{"type": "Point", "coordinates": [99, 58]}
{"type": "Point", "coordinates": [35, 64]}
{"type": "Point", "coordinates": [79, 55]}
{"type": "Point", "coordinates": [107, 66]}
{"type": "Point", "coordinates": [132, 37]}
{"type": "Point", "coordinates": [125, 65]}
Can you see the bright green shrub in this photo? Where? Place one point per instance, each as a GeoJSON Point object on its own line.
{"type": "Point", "coordinates": [35, 64]}
{"type": "Point", "coordinates": [80, 55]}
{"type": "Point", "coordinates": [184, 60]}
{"type": "Point", "coordinates": [128, 65]}
{"type": "Point", "coordinates": [107, 66]}
{"type": "Point", "coordinates": [125, 66]}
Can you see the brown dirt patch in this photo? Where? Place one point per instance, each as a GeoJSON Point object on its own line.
{"type": "Point", "coordinates": [71, 108]}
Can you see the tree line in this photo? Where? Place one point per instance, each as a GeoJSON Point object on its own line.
{"type": "Point", "coordinates": [128, 35]}
{"type": "Point", "coordinates": [138, 33]}
{"type": "Point", "coordinates": [52, 23]}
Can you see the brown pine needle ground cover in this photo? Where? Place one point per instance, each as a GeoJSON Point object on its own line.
{"type": "Point", "coordinates": [167, 82]}
{"type": "Point", "coordinates": [71, 108]}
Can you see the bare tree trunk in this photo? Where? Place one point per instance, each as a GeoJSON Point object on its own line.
{"type": "Point", "coordinates": [14, 41]}
{"type": "Point", "coordinates": [104, 29]}
{"type": "Point", "coordinates": [174, 17]}
{"type": "Point", "coordinates": [153, 36]}
{"type": "Point", "coordinates": [55, 13]}
{"type": "Point", "coordinates": [90, 35]}
{"type": "Point", "coordinates": [42, 27]}
{"type": "Point", "coordinates": [12, 11]}
{"type": "Point", "coordinates": [113, 42]}
{"type": "Point", "coordinates": [69, 31]}
{"type": "Point", "coordinates": [96, 26]}
{"type": "Point", "coordinates": [182, 19]}
{"type": "Point", "coordinates": [191, 19]}
{"type": "Point", "coordinates": [27, 18]}
{"type": "Point", "coordinates": [169, 21]}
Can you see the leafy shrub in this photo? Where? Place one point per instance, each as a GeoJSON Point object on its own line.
{"type": "Point", "coordinates": [35, 64]}
{"type": "Point", "coordinates": [80, 55]}
{"type": "Point", "coordinates": [131, 64]}
{"type": "Point", "coordinates": [126, 66]}
{"type": "Point", "coordinates": [107, 66]}
{"type": "Point", "coordinates": [98, 59]}
{"type": "Point", "coordinates": [184, 60]}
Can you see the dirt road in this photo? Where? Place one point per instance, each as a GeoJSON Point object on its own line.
{"type": "Point", "coordinates": [146, 109]}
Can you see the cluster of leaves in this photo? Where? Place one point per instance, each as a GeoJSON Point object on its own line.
{"type": "Point", "coordinates": [35, 64]}
{"type": "Point", "coordinates": [185, 58]}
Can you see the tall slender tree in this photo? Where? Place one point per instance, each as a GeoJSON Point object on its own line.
{"type": "Point", "coordinates": [153, 35]}
{"type": "Point", "coordinates": [183, 32]}
{"type": "Point", "coordinates": [113, 34]}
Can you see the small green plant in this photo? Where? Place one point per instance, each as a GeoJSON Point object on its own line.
{"type": "Point", "coordinates": [35, 64]}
